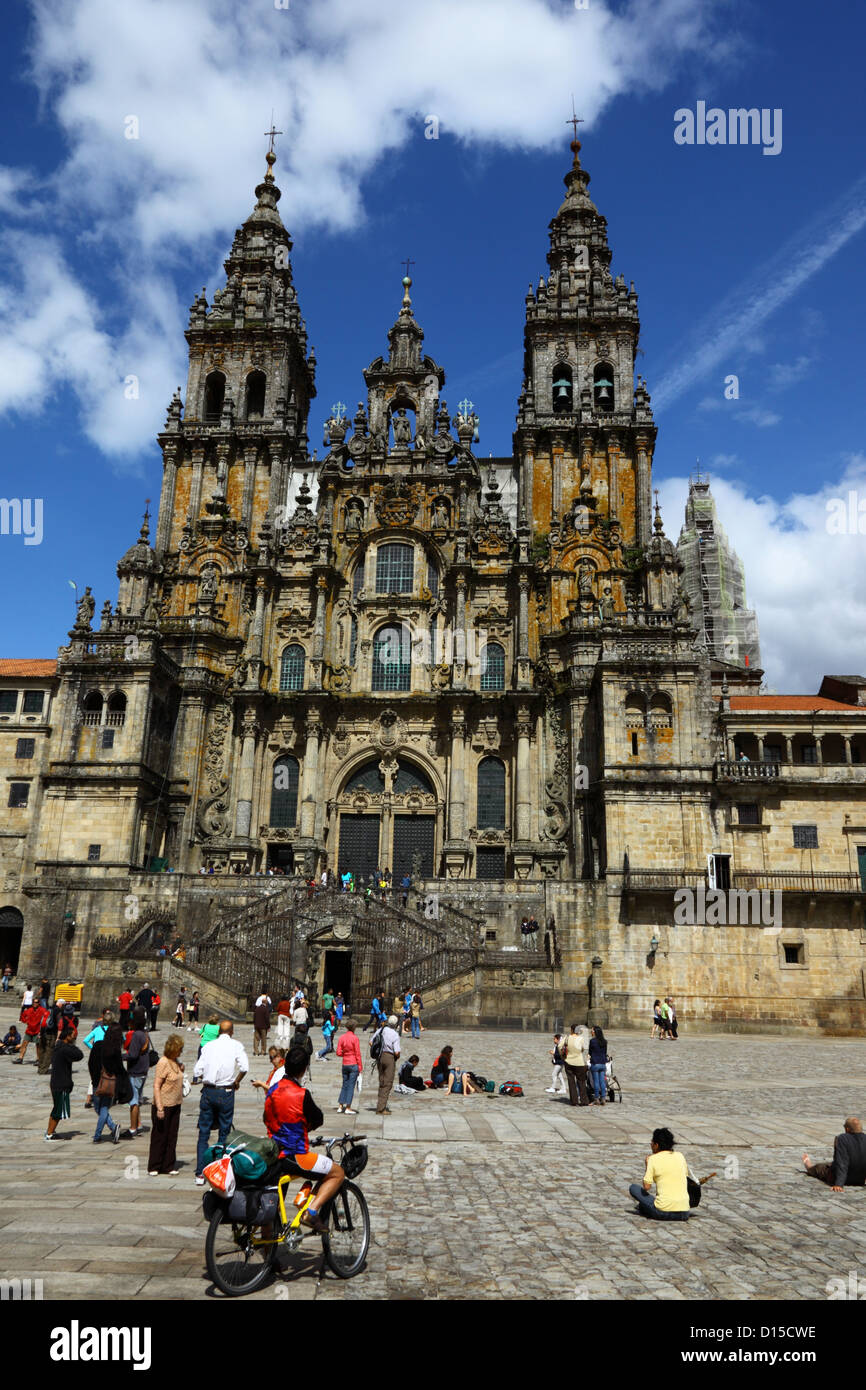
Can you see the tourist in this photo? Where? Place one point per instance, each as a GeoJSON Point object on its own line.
{"type": "Point", "coordinates": [669, 1172]}
{"type": "Point", "coordinates": [557, 1081]}
{"type": "Point", "coordinates": [208, 1032]}
{"type": "Point", "coordinates": [26, 999]}
{"type": "Point", "coordinates": [349, 1053]}
{"type": "Point", "coordinates": [144, 1000]}
{"type": "Point", "coordinates": [339, 1006]}
{"type": "Point", "coordinates": [96, 1034]}
{"type": "Point", "coordinates": [461, 1083]}
{"type": "Point", "coordinates": [165, 1109]}
{"type": "Point", "coordinates": [192, 1007]}
{"type": "Point", "coordinates": [377, 1013]}
{"type": "Point", "coordinates": [657, 1030]}
{"type": "Point", "coordinates": [154, 1010]}
{"type": "Point", "coordinates": [47, 1039]}
{"type": "Point", "coordinates": [180, 1008]}
{"type": "Point", "coordinates": [261, 1025]}
{"type": "Point", "coordinates": [64, 1054]}
{"type": "Point", "coordinates": [441, 1069]}
{"type": "Point", "coordinates": [329, 1027]}
{"type": "Point", "coordinates": [345, 880]}
{"type": "Point", "coordinates": [386, 1063]}
{"type": "Point", "coordinates": [405, 886]}
{"type": "Point", "coordinates": [415, 1007]}
{"type": "Point", "coordinates": [277, 1057]}
{"type": "Point", "coordinates": [138, 1065]}
{"type": "Point", "coordinates": [575, 1055]}
{"type": "Point", "coordinates": [44, 992]}
{"type": "Point", "coordinates": [399, 1007]}
{"type": "Point", "coordinates": [8, 976]}
{"type": "Point", "coordinates": [112, 1086]}
{"type": "Point", "coordinates": [221, 1068]}
{"type": "Point", "coordinates": [533, 925]}
{"type": "Point", "coordinates": [34, 1018]}
{"type": "Point", "coordinates": [598, 1065]}
{"type": "Point", "coordinates": [300, 1013]}
{"type": "Point", "coordinates": [672, 1018]}
{"type": "Point", "coordinates": [301, 1038]}
{"type": "Point", "coordinates": [327, 1001]}
{"type": "Point", "coordinates": [324, 880]}
{"type": "Point", "coordinates": [848, 1168]}
{"type": "Point", "coordinates": [124, 1003]}
{"type": "Point", "coordinates": [409, 1083]}
{"type": "Point", "coordinates": [524, 926]}
{"type": "Point", "coordinates": [290, 1114]}
{"type": "Point", "coordinates": [284, 1020]}
{"type": "Point", "coordinates": [11, 1041]}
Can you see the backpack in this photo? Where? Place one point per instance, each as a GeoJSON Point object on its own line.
{"type": "Point", "coordinates": [511, 1088]}
{"type": "Point", "coordinates": [376, 1045]}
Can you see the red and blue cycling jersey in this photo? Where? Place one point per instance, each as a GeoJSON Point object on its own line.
{"type": "Point", "coordinates": [290, 1114]}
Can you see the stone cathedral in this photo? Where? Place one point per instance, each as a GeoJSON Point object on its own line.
{"type": "Point", "coordinates": [490, 675]}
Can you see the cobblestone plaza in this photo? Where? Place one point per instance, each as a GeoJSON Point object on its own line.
{"type": "Point", "coordinates": [481, 1198]}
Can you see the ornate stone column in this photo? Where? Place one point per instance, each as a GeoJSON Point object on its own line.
{"type": "Point", "coordinates": [760, 741]}
{"type": "Point", "coordinates": [166, 504]}
{"type": "Point", "coordinates": [524, 797]}
{"type": "Point", "coordinates": [246, 774]}
{"type": "Point", "coordinates": [847, 741]}
{"type": "Point", "coordinates": [523, 618]}
{"type": "Point", "coordinates": [789, 749]}
{"type": "Point", "coordinates": [643, 490]}
{"type": "Point", "coordinates": [456, 788]}
{"type": "Point", "coordinates": [311, 775]}
{"type": "Point", "coordinates": [250, 452]}
{"type": "Point", "coordinates": [459, 635]}
{"type": "Point", "coordinates": [195, 486]}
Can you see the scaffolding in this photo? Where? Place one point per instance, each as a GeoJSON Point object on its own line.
{"type": "Point", "coordinates": [715, 581]}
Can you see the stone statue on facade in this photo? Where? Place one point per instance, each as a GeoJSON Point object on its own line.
{"type": "Point", "coordinates": [86, 609]}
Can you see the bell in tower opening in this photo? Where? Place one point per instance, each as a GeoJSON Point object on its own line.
{"type": "Point", "coordinates": [603, 386]}
{"type": "Point", "coordinates": [563, 388]}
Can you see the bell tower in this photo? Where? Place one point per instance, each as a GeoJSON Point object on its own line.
{"type": "Point", "coordinates": [584, 436]}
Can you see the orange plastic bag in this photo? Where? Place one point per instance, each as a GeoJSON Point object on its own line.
{"type": "Point", "coordinates": [221, 1176]}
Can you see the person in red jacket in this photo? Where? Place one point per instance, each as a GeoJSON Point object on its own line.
{"type": "Point", "coordinates": [124, 1000]}
{"type": "Point", "coordinates": [34, 1020]}
{"type": "Point", "coordinates": [290, 1114]}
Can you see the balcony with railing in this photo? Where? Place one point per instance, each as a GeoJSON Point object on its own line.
{"type": "Point", "coordinates": [668, 880]}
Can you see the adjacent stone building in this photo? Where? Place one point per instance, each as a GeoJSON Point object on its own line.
{"type": "Point", "coordinates": [488, 675]}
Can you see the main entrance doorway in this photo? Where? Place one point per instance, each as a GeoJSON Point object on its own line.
{"type": "Point", "coordinates": [413, 836]}
{"type": "Point", "coordinates": [359, 845]}
{"type": "Point", "coordinates": [11, 932]}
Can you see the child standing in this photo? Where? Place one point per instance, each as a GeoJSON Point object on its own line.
{"type": "Point", "coordinates": [557, 1081]}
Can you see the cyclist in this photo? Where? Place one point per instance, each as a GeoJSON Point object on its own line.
{"type": "Point", "coordinates": [290, 1113]}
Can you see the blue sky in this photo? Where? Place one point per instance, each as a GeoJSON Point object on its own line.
{"type": "Point", "coordinates": [745, 263]}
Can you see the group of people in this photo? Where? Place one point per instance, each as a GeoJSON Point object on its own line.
{"type": "Point", "coordinates": [147, 999]}
{"type": "Point", "coordinates": [187, 1005]}
{"type": "Point", "coordinates": [664, 1019]}
{"type": "Point", "coordinates": [529, 926]}
{"type": "Point", "coordinates": [582, 1054]}
{"type": "Point", "coordinates": [407, 1006]}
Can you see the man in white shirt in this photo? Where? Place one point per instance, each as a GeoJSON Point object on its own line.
{"type": "Point", "coordinates": [386, 1063]}
{"type": "Point", "coordinates": [221, 1068]}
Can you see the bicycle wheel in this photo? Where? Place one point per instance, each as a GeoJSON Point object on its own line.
{"type": "Point", "coordinates": [234, 1264]}
{"type": "Point", "coordinates": [348, 1238]}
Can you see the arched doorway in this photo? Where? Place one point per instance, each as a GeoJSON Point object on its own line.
{"type": "Point", "coordinates": [387, 819]}
{"type": "Point", "coordinates": [11, 932]}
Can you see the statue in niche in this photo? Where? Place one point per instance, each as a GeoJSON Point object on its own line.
{"type": "Point", "coordinates": [354, 517]}
{"type": "Point", "coordinates": [584, 580]}
{"type": "Point", "coordinates": [440, 512]}
{"type": "Point", "coordinates": [606, 605]}
{"type": "Point", "coordinates": [207, 582]}
{"type": "Point", "coordinates": [402, 427]}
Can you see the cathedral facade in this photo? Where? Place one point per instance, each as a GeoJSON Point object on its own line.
{"type": "Point", "coordinates": [489, 675]}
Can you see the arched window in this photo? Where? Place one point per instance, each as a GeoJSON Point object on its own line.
{"type": "Point", "coordinates": [395, 569]}
{"type": "Point", "coordinates": [93, 703]}
{"type": "Point", "coordinates": [493, 667]}
{"type": "Point", "coordinates": [602, 392]}
{"type": "Point", "coordinates": [116, 709]}
{"type": "Point", "coordinates": [214, 395]}
{"type": "Point", "coordinates": [353, 640]}
{"type": "Point", "coordinates": [563, 388]}
{"type": "Point", "coordinates": [255, 396]}
{"type": "Point", "coordinates": [392, 658]}
{"type": "Point", "coordinates": [432, 579]}
{"type": "Point", "coordinates": [284, 792]}
{"type": "Point", "coordinates": [358, 576]}
{"type": "Point", "coordinates": [491, 794]}
{"type": "Point", "coordinates": [370, 778]}
{"type": "Point", "coordinates": [292, 668]}
{"type": "Point", "coordinates": [660, 713]}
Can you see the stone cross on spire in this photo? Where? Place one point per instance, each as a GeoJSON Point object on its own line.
{"type": "Point", "coordinates": [270, 157]}
{"type": "Point", "coordinates": [575, 120]}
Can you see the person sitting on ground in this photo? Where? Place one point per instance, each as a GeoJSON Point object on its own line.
{"type": "Point", "coordinates": [290, 1113]}
{"type": "Point", "coordinates": [461, 1083]}
{"type": "Point", "coordinates": [441, 1069]}
{"type": "Point", "coordinates": [277, 1057]}
{"type": "Point", "coordinates": [848, 1168]}
{"type": "Point", "coordinates": [11, 1041]}
{"type": "Point", "coordinates": [408, 1082]}
{"type": "Point", "coordinates": [669, 1171]}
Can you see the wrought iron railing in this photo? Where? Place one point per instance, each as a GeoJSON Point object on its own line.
{"type": "Point", "coordinates": [795, 881]}
{"type": "Point", "coordinates": [665, 878]}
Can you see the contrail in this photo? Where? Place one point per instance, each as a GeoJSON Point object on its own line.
{"type": "Point", "coordinates": [803, 255]}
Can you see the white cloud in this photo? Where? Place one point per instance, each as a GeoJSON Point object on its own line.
{"type": "Point", "coordinates": [784, 374]}
{"type": "Point", "coordinates": [807, 586]}
{"type": "Point", "coordinates": [727, 332]}
{"type": "Point", "coordinates": [348, 83]}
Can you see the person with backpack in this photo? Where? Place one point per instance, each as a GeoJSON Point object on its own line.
{"type": "Point", "coordinates": [415, 1007]}
{"type": "Point", "coordinates": [138, 1059]}
{"type": "Point", "coordinates": [112, 1085]}
{"type": "Point", "coordinates": [349, 1053]}
{"type": "Point", "coordinates": [34, 1019]}
{"type": "Point", "coordinates": [385, 1049]}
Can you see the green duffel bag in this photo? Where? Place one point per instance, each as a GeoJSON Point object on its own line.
{"type": "Point", "coordinates": [264, 1146]}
